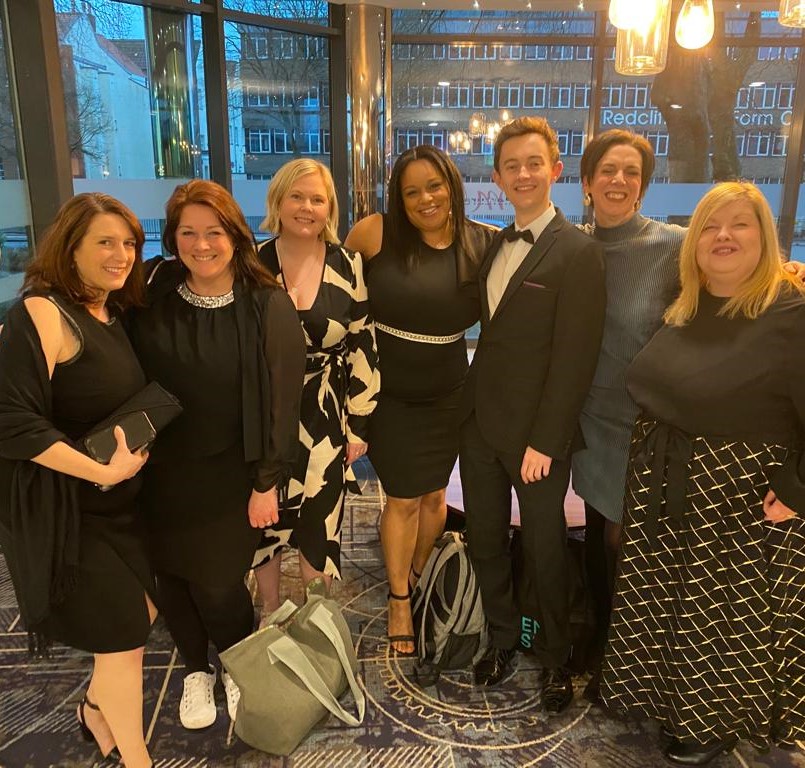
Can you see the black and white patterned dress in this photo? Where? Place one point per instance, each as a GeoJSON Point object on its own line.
{"type": "Point", "coordinates": [708, 623]}
{"type": "Point", "coordinates": [339, 394]}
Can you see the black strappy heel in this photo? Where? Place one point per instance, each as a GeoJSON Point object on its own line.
{"type": "Point", "coordinates": [87, 733]}
{"type": "Point", "coordinates": [402, 638]}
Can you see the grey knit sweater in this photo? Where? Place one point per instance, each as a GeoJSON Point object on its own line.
{"type": "Point", "coordinates": [642, 280]}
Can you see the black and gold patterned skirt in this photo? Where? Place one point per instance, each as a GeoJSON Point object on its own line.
{"type": "Point", "coordinates": [708, 622]}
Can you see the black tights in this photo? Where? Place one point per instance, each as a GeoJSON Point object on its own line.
{"type": "Point", "coordinates": [601, 545]}
{"type": "Point", "coordinates": [199, 613]}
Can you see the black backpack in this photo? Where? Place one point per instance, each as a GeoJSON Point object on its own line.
{"type": "Point", "coordinates": [449, 623]}
{"type": "Point", "coordinates": [582, 620]}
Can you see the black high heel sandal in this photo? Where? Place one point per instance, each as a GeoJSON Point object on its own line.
{"type": "Point", "coordinates": [402, 638]}
{"type": "Point", "coordinates": [87, 733]}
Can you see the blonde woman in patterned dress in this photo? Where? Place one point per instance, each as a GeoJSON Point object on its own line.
{"type": "Point", "coordinates": [708, 625]}
{"type": "Point", "coordinates": [325, 282]}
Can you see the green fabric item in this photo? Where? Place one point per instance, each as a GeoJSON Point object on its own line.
{"type": "Point", "coordinates": [292, 673]}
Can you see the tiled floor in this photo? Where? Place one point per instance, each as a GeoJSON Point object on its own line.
{"type": "Point", "coordinates": [450, 725]}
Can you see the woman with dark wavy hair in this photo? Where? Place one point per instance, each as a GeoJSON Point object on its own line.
{"type": "Point", "coordinates": [75, 553]}
{"type": "Point", "coordinates": [422, 261]}
{"type": "Point", "coordinates": [219, 333]}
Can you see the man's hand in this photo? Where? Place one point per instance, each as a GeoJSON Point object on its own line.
{"type": "Point", "coordinates": [535, 466]}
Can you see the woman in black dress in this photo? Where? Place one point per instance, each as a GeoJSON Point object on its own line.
{"type": "Point", "coordinates": [75, 553]}
{"type": "Point", "coordinates": [422, 260]}
{"type": "Point", "coordinates": [325, 283]}
{"type": "Point", "coordinates": [221, 335]}
{"type": "Point", "coordinates": [708, 624]}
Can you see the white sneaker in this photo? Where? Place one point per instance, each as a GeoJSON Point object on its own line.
{"type": "Point", "coordinates": [232, 694]}
{"type": "Point", "coordinates": [197, 707]}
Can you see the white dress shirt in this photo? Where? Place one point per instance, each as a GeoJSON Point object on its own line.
{"type": "Point", "coordinates": [509, 258]}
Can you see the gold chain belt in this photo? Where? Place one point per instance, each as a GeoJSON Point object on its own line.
{"type": "Point", "coordinates": [422, 338]}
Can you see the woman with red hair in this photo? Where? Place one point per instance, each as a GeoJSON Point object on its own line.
{"type": "Point", "coordinates": [219, 333]}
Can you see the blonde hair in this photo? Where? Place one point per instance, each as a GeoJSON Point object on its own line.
{"type": "Point", "coordinates": [763, 286]}
{"type": "Point", "coordinates": [281, 184]}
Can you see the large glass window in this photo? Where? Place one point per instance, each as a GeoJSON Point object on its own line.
{"type": "Point", "coordinates": [489, 82]}
{"type": "Point", "coordinates": [310, 11]}
{"type": "Point", "coordinates": [278, 90]}
{"type": "Point", "coordinates": [711, 116]}
{"type": "Point", "coordinates": [134, 99]}
{"type": "Point", "coordinates": [15, 216]}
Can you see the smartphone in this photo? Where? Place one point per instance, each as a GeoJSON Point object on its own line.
{"type": "Point", "coordinates": [136, 426]}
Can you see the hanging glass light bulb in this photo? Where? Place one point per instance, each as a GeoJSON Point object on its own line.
{"type": "Point", "coordinates": [643, 50]}
{"type": "Point", "coordinates": [696, 24]}
{"type": "Point", "coordinates": [792, 13]}
{"type": "Point", "coordinates": [629, 14]}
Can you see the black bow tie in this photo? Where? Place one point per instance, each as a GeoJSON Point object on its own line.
{"type": "Point", "coordinates": [511, 234]}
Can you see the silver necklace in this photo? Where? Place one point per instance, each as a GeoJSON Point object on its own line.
{"type": "Point", "coordinates": [205, 302]}
{"type": "Point", "coordinates": [293, 288]}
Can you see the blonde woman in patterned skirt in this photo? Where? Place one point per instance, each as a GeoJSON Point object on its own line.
{"type": "Point", "coordinates": [708, 624]}
{"type": "Point", "coordinates": [325, 282]}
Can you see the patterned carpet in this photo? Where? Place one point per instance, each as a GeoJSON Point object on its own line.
{"type": "Point", "coordinates": [450, 725]}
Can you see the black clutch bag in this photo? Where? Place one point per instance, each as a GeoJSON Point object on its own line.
{"type": "Point", "coordinates": [141, 417]}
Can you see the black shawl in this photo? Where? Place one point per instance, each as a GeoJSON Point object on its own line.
{"type": "Point", "coordinates": [39, 513]}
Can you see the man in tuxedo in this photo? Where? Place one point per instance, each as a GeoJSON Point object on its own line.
{"type": "Point", "coordinates": [543, 301]}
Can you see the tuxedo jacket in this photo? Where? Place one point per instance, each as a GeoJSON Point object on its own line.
{"type": "Point", "coordinates": [536, 356]}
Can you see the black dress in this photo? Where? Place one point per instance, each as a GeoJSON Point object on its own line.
{"type": "Point", "coordinates": [413, 433]}
{"type": "Point", "coordinates": [708, 623]}
{"type": "Point", "coordinates": [106, 611]}
{"type": "Point", "coordinates": [198, 479]}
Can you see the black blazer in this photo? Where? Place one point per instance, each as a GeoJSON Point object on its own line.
{"type": "Point", "coordinates": [536, 357]}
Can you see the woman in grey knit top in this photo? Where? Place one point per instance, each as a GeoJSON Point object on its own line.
{"type": "Point", "coordinates": [642, 278]}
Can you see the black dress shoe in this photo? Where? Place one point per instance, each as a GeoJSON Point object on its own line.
{"type": "Point", "coordinates": [693, 753]}
{"type": "Point", "coordinates": [557, 689]}
{"type": "Point", "coordinates": [496, 665]}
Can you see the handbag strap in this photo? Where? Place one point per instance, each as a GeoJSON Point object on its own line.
{"type": "Point", "coordinates": [286, 650]}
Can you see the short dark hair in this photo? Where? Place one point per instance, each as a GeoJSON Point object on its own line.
{"type": "Point", "coordinates": [615, 137]}
{"type": "Point", "coordinates": [53, 266]}
{"type": "Point", "coordinates": [404, 234]}
{"type": "Point", "coordinates": [246, 264]}
{"type": "Point", "coordinates": [522, 126]}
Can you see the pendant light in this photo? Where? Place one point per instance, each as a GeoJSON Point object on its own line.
{"type": "Point", "coordinates": [696, 24]}
{"type": "Point", "coordinates": [792, 13]}
{"type": "Point", "coordinates": [630, 14]}
{"type": "Point", "coordinates": [643, 50]}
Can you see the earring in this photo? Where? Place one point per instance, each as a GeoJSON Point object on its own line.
{"type": "Point", "coordinates": [587, 199]}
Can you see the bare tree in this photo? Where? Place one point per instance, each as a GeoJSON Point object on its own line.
{"type": "Point", "coordinates": [8, 136]}
{"type": "Point", "coordinates": [696, 94]}
{"type": "Point", "coordinates": [112, 19]}
{"type": "Point", "coordinates": [278, 77]}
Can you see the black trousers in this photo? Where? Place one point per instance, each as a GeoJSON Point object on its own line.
{"type": "Point", "coordinates": [199, 613]}
{"type": "Point", "coordinates": [487, 477]}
